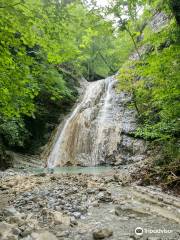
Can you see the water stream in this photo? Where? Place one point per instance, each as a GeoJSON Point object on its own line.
{"type": "Point", "coordinates": [83, 138]}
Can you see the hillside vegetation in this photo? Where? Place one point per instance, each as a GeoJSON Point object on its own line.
{"type": "Point", "coordinates": [152, 76]}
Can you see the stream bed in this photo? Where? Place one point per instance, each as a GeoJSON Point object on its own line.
{"type": "Point", "coordinates": [84, 206]}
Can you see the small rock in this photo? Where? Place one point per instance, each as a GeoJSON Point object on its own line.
{"type": "Point", "coordinates": [27, 238]}
{"type": "Point", "coordinates": [40, 174]}
{"type": "Point", "coordinates": [16, 231]}
{"type": "Point", "coordinates": [116, 177]}
{"type": "Point", "coordinates": [101, 189]}
{"type": "Point", "coordinates": [17, 220]}
{"type": "Point", "coordinates": [43, 236]}
{"type": "Point", "coordinates": [95, 204]}
{"type": "Point", "coordinates": [118, 210]}
{"type": "Point", "coordinates": [91, 191]}
{"type": "Point", "coordinates": [77, 214]}
{"type": "Point", "coordinates": [62, 234]}
{"type": "Point", "coordinates": [26, 232]}
{"type": "Point", "coordinates": [102, 233]}
{"type": "Point", "coordinates": [59, 218]}
{"type": "Point", "coordinates": [53, 178]}
{"type": "Point", "coordinates": [104, 197]}
{"type": "Point", "coordinates": [10, 211]}
{"type": "Point", "coordinates": [73, 221]}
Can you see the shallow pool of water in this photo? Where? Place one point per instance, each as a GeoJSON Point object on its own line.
{"type": "Point", "coordinates": [75, 170]}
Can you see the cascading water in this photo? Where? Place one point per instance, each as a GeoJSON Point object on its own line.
{"type": "Point", "coordinates": [92, 131]}
{"type": "Point", "coordinates": [105, 121]}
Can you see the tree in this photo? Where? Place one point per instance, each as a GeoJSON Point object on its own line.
{"type": "Point", "coordinates": [126, 13]}
{"type": "Point", "coordinates": [42, 58]}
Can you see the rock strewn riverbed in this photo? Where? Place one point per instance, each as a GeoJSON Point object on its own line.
{"type": "Point", "coordinates": [83, 207]}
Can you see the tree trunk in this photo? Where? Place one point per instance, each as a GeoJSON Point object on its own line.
{"type": "Point", "coordinates": [135, 102]}
{"type": "Point", "coordinates": [134, 42]}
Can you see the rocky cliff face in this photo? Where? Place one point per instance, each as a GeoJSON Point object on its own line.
{"type": "Point", "coordinates": [98, 130]}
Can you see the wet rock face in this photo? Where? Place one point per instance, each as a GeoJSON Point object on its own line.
{"type": "Point", "coordinates": [131, 150]}
{"type": "Point", "coordinates": [96, 130]}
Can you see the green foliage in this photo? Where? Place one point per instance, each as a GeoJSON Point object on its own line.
{"type": "Point", "coordinates": [163, 71]}
{"type": "Point", "coordinates": [14, 131]}
{"type": "Point", "coordinates": [43, 46]}
{"type": "Point", "coordinates": [154, 84]}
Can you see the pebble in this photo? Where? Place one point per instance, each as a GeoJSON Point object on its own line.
{"type": "Point", "coordinates": [77, 214]}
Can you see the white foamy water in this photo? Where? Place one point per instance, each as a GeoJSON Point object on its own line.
{"type": "Point", "coordinates": [83, 139]}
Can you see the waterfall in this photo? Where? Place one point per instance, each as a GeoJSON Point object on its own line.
{"type": "Point", "coordinates": [105, 121]}
{"type": "Point", "coordinates": [91, 132]}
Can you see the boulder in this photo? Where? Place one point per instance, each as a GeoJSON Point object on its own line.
{"type": "Point", "coordinates": [102, 233]}
{"type": "Point", "coordinates": [59, 218]}
{"type": "Point", "coordinates": [10, 211]}
{"type": "Point", "coordinates": [104, 197]}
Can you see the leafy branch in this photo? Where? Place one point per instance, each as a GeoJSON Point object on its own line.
{"type": "Point", "coordinates": [11, 5]}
